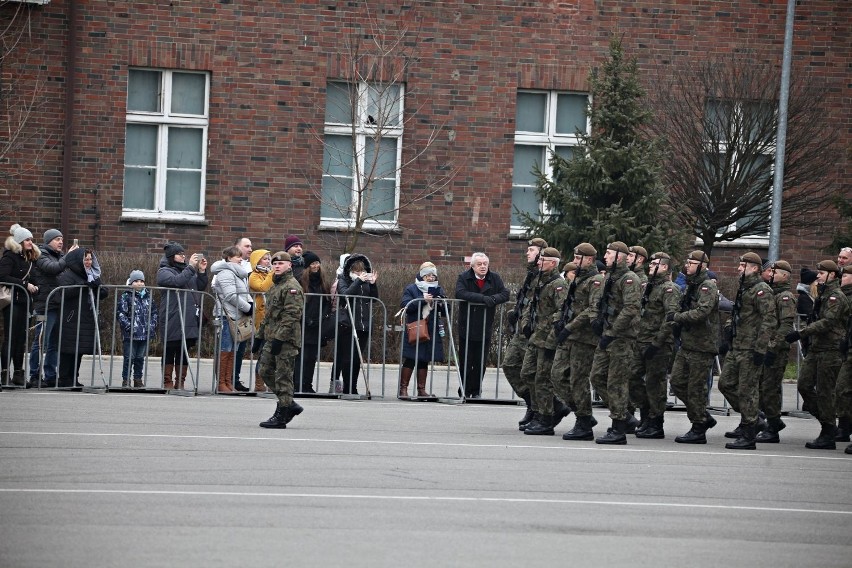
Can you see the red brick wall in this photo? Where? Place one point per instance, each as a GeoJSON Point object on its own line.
{"type": "Point", "coordinates": [270, 62]}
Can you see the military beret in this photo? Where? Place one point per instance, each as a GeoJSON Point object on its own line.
{"type": "Point", "coordinates": [280, 255]}
{"type": "Point", "coordinates": [700, 256]}
{"type": "Point", "coordinates": [661, 256]}
{"type": "Point", "coordinates": [585, 249]}
{"type": "Point", "coordinates": [618, 246]}
{"type": "Point", "coordinates": [538, 242]}
{"type": "Point", "coordinates": [847, 269]}
{"type": "Point", "coordinates": [639, 250]}
{"type": "Point", "coordinates": [751, 258]}
{"type": "Point", "coordinates": [782, 265]}
{"type": "Point", "coordinates": [828, 266]}
{"type": "Point", "coordinates": [569, 266]}
{"type": "Point", "coordinates": [550, 252]}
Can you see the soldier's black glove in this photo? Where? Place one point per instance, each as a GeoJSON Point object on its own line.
{"type": "Point", "coordinates": [758, 358]}
{"type": "Point", "coordinates": [769, 359]}
{"type": "Point", "coordinates": [275, 346]}
{"type": "Point", "coordinates": [512, 317]}
{"type": "Point", "coordinates": [598, 326]}
{"type": "Point", "coordinates": [527, 331]}
{"type": "Point", "coordinates": [844, 348]}
{"type": "Point", "coordinates": [650, 352]}
{"type": "Point", "coordinates": [670, 317]}
{"type": "Point", "coordinates": [256, 346]}
{"type": "Point", "coordinates": [605, 341]}
{"type": "Point", "coordinates": [728, 334]}
{"type": "Point", "coordinates": [793, 337]}
{"type": "Point", "coordinates": [724, 347]}
{"type": "Point", "coordinates": [563, 335]}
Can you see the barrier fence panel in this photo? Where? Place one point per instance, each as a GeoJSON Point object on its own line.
{"type": "Point", "coordinates": [16, 338]}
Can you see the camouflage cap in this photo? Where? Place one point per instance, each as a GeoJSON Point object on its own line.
{"type": "Point", "coordinates": [551, 252]}
{"type": "Point", "coordinates": [538, 242]}
{"type": "Point", "coordinates": [585, 249]}
{"type": "Point", "coordinates": [828, 266]}
{"type": "Point", "coordinates": [618, 246]}
{"type": "Point", "coordinates": [639, 250]}
{"type": "Point", "coordinates": [782, 265]}
{"type": "Point", "coordinates": [700, 256]}
{"type": "Point", "coordinates": [280, 255]}
{"type": "Point", "coordinates": [752, 258]}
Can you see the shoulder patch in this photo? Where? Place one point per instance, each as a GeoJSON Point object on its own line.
{"type": "Point", "coordinates": [760, 293]}
{"type": "Point", "coordinates": [559, 288]}
{"type": "Point", "coordinates": [597, 282]}
{"type": "Point", "coordinates": [629, 281]}
{"type": "Point", "coordinates": [705, 289]}
{"type": "Point", "coordinates": [785, 298]}
{"type": "Point", "coordinates": [293, 291]}
{"type": "Point", "coordinates": [832, 298]}
{"type": "Point", "coordinates": [669, 290]}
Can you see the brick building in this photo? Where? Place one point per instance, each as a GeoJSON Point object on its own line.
{"type": "Point", "coordinates": [205, 120]}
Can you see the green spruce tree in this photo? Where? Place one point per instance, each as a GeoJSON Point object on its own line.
{"type": "Point", "coordinates": [610, 188]}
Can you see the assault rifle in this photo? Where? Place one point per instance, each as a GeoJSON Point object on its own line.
{"type": "Point", "coordinates": [813, 317]}
{"type": "Point", "coordinates": [602, 319]}
{"type": "Point", "coordinates": [731, 328]}
{"type": "Point", "coordinates": [530, 327]}
{"type": "Point", "coordinates": [567, 313]}
{"type": "Point", "coordinates": [515, 314]}
{"type": "Point", "coordinates": [685, 306]}
{"type": "Point", "coordinates": [649, 286]}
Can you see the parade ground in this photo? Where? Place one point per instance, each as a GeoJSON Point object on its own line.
{"type": "Point", "coordinates": [139, 480]}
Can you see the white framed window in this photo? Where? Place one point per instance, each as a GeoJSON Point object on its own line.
{"type": "Point", "coordinates": [740, 144]}
{"type": "Point", "coordinates": [362, 155]}
{"type": "Point", "coordinates": [165, 154]}
{"type": "Point", "coordinates": [545, 122]}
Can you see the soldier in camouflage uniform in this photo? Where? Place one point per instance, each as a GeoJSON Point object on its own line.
{"type": "Point", "coordinates": [777, 275]}
{"type": "Point", "coordinates": [560, 374]}
{"type": "Point", "coordinates": [655, 344]}
{"type": "Point", "coordinates": [697, 323]}
{"type": "Point", "coordinates": [281, 332]}
{"type": "Point", "coordinates": [825, 330]}
{"type": "Point", "coordinates": [843, 392]}
{"type": "Point", "coordinates": [513, 360]}
{"type": "Point", "coordinates": [749, 333]}
{"type": "Point", "coordinates": [550, 292]}
{"type": "Point", "coordinates": [616, 315]}
{"type": "Point", "coordinates": [636, 259]}
{"type": "Point", "coordinates": [580, 342]}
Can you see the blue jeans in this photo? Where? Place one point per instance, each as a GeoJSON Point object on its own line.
{"type": "Point", "coordinates": [51, 355]}
{"type": "Point", "coordinates": [228, 346]}
{"type": "Point", "coordinates": [134, 355]}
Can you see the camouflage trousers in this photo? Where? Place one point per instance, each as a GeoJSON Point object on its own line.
{"type": "Point", "coordinates": [610, 375]}
{"type": "Point", "coordinates": [817, 381]}
{"type": "Point", "coordinates": [770, 385]}
{"type": "Point", "coordinates": [637, 393]}
{"type": "Point", "coordinates": [740, 384]}
{"type": "Point", "coordinates": [581, 356]}
{"type": "Point", "coordinates": [277, 371]}
{"type": "Point", "coordinates": [536, 371]}
{"type": "Point", "coordinates": [560, 374]}
{"type": "Point", "coordinates": [843, 391]}
{"type": "Point", "coordinates": [689, 382]}
{"type": "Point", "coordinates": [513, 362]}
{"type": "Point", "coordinates": [655, 384]}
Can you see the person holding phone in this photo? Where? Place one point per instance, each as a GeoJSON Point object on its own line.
{"type": "Point", "coordinates": [419, 303]}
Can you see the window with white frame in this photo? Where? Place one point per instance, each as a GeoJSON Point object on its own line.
{"type": "Point", "coordinates": [166, 138]}
{"type": "Point", "coordinates": [545, 122]}
{"type": "Point", "coordinates": [740, 140]}
{"type": "Point", "coordinates": [362, 155]}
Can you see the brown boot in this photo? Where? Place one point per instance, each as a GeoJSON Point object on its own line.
{"type": "Point", "coordinates": [421, 384]}
{"type": "Point", "coordinates": [168, 384]}
{"type": "Point", "coordinates": [404, 380]}
{"type": "Point", "coordinates": [180, 377]}
{"type": "Point", "coordinates": [226, 371]}
{"type": "Point", "coordinates": [259, 385]}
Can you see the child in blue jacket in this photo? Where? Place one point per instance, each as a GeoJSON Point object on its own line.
{"type": "Point", "coordinates": [137, 316]}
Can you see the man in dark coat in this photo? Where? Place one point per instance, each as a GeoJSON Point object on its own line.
{"type": "Point", "coordinates": [481, 291]}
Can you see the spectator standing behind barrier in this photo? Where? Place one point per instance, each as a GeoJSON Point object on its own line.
{"type": "Point", "coordinates": [230, 284]}
{"type": "Point", "coordinates": [844, 257]}
{"type": "Point", "coordinates": [16, 268]}
{"type": "Point", "coordinates": [180, 310]}
{"type": "Point", "coordinates": [293, 246]}
{"type": "Point", "coordinates": [260, 281]}
{"type": "Point", "coordinates": [137, 317]}
{"type": "Point", "coordinates": [481, 291]}
{"type": "Point", "coordinates": [79, 312]}
{"type": "Point", "coordinates": [316, 308]}
{"type": "Point", "coordinates": [281, 331]}
{"type": "Point", "coordinates": [419, 302]}
{"type": "Point", "coordinates": [356, 285]}
{"type": "Point", "coordinates": [244, 244]}
{"type": "Point", "coordinates": [47, 269]}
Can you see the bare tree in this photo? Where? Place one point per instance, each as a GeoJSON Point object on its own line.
{"type": "Point", "coordinates": [373, 133]}
{"type": "Point", "coordinates": [719, 120]}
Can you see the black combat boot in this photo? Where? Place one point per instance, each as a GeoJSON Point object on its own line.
{"type": "Point", "coordinates": [709, 421]}
{"type": "Point", "coordinates": [631, 424]}
{"type": "Point", "coordinates": [746, 441]}
{"type": "Point", "coordinates": [848, 449]}
{"type": "Point", "coordinates": [529, 415]}
{"type": "Point", "coordinates": [616, 434]}
{"type": "Point", "coordinates": [535, 416]}
{"type": "Point", "coordinates": [844, 428]}
{"type": "Point", "coordinates": [654, 430]}
{"type": "Point", "coordinates": [560, 411]}
{"type": "Point", "coordinates": [582, 429]}
{"type": "Point", "coordinates": [291, 411]}
{"type": "Point", "coordinates": [644, 421]}
{"type": "Point", "coordinates": [696, 435]}
{"type": "Point", "coordinates": [825, 440]}
{"type": "Point", "coordinates": [541, 426]}
{"type": "Point", "coordinates": [770, 435]}
{"type": "Point", "coordinates": [276, 420]}
{"type": "Point", "coordinates": [761, 424]}
{"type": "Point", "coordinates": [736, 433]}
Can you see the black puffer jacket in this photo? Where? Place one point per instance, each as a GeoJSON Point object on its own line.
{"type": "Point", "coordinates": [15, 269]}
{"type": "Point", "coordinates": [347, 286]}
{"type": "Point", "coordinates": [78, 314]}
{"type": "Point", "coordinates": [46, 271]}
{"type": "Point", "coordinates": [187, 282]}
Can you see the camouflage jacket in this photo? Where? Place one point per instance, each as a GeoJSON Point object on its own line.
{"type": "Point", "coordinates": [282, 319]}
{"type": "Point", "coordinates": [550, 292]}
{"type": "Point", "coordinates": [699, 320]}
{"type": "Point", "coordinates": [581, 329]}
{"type": "Point", "coordinates": [830, 326]}
{"type": "Point", "coordinates": [757, 320]}
{"type": "Point", "coordinates": [663, 299]}
{"type": "Point", "coordinates": [625, 302]}
{"type": "Point", "coordinates": [785, 316]}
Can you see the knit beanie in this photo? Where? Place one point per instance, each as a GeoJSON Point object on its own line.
{"type": "Point", "coordinates": [172, 248]}
{"type": "Point", "coordinates": [135, 275]}
{"type": "Point", "coordinates": [427, 270]}
{"type": "Point", "coordinates": [19, 233]}
{"type": "Point", "coordinates": [311, 257]}
{"type": "Point", "coordinates": [292, 241]}
{"type": "Point", "coordinates": [51, 234]}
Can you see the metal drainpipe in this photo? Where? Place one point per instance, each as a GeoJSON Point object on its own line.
{"type": "Point", "coordinates": [68, 138]}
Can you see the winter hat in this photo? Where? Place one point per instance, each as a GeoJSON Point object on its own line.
{"type": "Point", "coordinates": [310, 257]}
{"type": "Point", "coordinates": [255, 257]}
{"type": "Point", "coordinates": [51, 234]}
{"type": "Point", "coordinates": [135, 275]}
{"type": "Point", "coordinates": [712, 275]}
{"type": "Point", "coordinates": [19, 233]}
{"type": "Point", "coordinates": [428, 268]}
{"type": "Point", "coordinates": [172, 248]}
{"type": "Point", "coordinates": [292, 241]}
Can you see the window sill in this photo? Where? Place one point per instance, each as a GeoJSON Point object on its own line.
{"type": "Point", "coordinates": [759, 242]}
{"type": "Point", "coordinates": [373, 230]}
{"type": "Point", "coordinates": [130, 218]}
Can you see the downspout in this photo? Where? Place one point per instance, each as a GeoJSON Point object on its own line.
{"type": "Point", "coordinates": [68, 137]}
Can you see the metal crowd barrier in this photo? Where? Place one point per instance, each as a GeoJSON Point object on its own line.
{"type": "Point", "coordinates": [9, 314]}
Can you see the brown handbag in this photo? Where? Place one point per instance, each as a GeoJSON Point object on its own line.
{"type": "Point", "coordinates": [418, 331]}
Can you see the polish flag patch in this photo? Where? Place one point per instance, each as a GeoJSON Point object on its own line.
{"type": "Point", "coordinates": [760, 293]}
{"type": "Point", "coordinates": [293, 291]}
